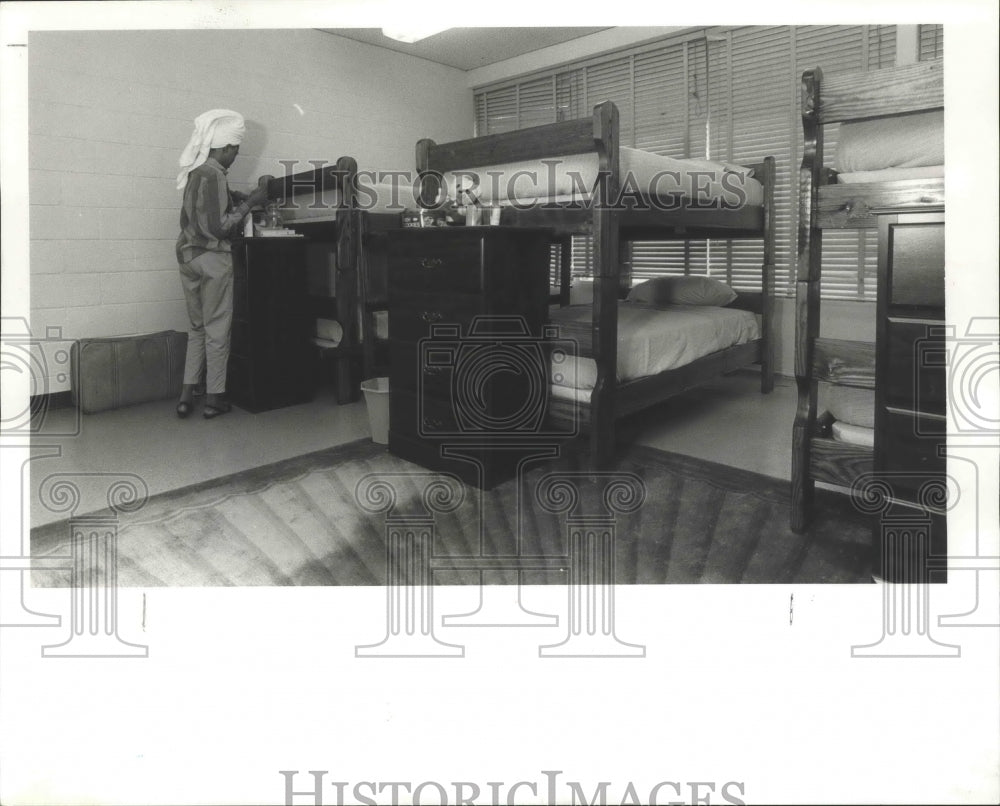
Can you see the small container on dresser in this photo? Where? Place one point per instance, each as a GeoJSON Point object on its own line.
{"type": "Point", "coordinates": [910, 535]}
{"type": "Point", "coordinates": [467, 308]}
{"type": "Point", "coordinates": [271, 359]}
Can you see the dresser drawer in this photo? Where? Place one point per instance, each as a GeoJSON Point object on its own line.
{"type": "Point", "coordinates": [414, 369]}
{"type": "Point", "coordinates": [916, 264]}
{"type": "Point", "coordinates": [908, 446]}
{"type": "Point", "coordinates": [915, 367]}
{"type": "Point", "coordinates": [412, 315]}
{"type": "Point", "coordinates": [429, 263]}
{"type": "Point", "coordinates": [418, 416]}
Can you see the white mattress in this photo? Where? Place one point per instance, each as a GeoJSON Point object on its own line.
{"type": "Point", "coordinates": [569, 178]}
{"type": "Point", "coordinates": [854, 434]}
{"type": "Point", "coordinates": [890, 175]}
{"type": "Point", "coordinates": [653, 339]}
{"type": "Point", "coordinates": [373, 197]}
{"type": "Point", "coordinates": [901, 141]}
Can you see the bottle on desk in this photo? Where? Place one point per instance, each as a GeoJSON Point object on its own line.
{"type": "Point", "coordinates": [273, 220]}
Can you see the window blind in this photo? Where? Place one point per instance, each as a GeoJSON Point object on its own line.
{"type": "Point", "coordinates": [735, 90]}
{"type": "Point", "coordinates": [931, 42]}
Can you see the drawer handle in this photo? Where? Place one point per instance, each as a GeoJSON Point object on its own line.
{"type": "Point", "coordinates": [431, 316]}
{"type": "Point", "coordinates": [431, 262]}
{"type": "Point", "coordinates": [433, 423]}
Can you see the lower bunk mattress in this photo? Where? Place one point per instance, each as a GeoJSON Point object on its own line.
{"type": "Point", "coordinates": [651, 339]}
{"type": "Point", "coordinates": [852, 412]}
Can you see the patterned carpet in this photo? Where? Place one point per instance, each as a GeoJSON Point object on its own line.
{"type": "Point", "coordinates": [320, 519]}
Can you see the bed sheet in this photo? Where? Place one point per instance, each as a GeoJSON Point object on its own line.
{"type": "Point", "coordinates": [853, 434]}
{"type": "Point", "coordinates": [652, 339]}
{"type": "Point", "coordinates": [890, 175]}
{"type": "Point", "coordinates": [572, 178]}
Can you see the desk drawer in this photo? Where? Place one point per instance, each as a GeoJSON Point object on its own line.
{"type": "Point", "coordinates": [455, 264]}
{"type": "Point", "coordinates": [915, 369]}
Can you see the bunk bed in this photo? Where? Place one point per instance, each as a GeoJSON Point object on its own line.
{"type": "Point", "coordinates": [889, 163]}
{"type": "Point", "coordinates": [615, 210]}
{"type": "Point", "coordinates": [345, 262]}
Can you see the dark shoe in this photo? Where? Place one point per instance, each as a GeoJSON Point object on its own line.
{"type": "Point", "coordinates": [216, 410]}
{"type": "Point", "coordinates": [183, 409]}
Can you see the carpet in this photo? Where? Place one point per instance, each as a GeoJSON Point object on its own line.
{"type": "Point", "coordinates": [305, 521]}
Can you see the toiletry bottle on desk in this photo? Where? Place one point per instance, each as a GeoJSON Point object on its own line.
{"type": "Point", "coordinates": [274, 220]}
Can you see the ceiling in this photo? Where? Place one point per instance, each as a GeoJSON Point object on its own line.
{"type": "Point", "coordinates": [469, 48]}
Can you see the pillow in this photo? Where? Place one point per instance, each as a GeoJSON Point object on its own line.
{"type": "Point", "coordinates": [682, 291]}
{"type": "Point", "coordinates": [905, 141]}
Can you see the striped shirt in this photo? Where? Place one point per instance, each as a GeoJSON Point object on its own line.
{"type": "Point", "coordinates": [211, 214]}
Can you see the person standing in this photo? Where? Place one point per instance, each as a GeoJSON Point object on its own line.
{"type": "Point", "coordinates": [211, 214]}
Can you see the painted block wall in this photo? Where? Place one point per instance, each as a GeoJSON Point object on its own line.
{"type": "Point", "coordinates": [110, 111]}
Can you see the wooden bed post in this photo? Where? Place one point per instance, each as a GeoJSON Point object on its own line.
{"type": "Point", "coordinates": [767, 282]}
{"type": "Point", "coordinates": [429, 183]}
{"type": "Point", "coordinates": [565, 268]}
{"type": "Point", "coordinates": [348, 254]}
{"type": "Point", "coordinates": [606, 285]}
{"type": "Point", "coordinates": [807, 297]}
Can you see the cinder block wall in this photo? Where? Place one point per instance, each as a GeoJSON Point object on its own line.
{"type": "Point", "coordinates": [110, 111]}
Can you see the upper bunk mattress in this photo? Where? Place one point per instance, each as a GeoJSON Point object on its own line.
{"type": "Point", "coordinates": [652, 339]}
{"type": "Point", "coordinates": [891, 148]}
{"type": "Point", "coordinates": [643, 173]}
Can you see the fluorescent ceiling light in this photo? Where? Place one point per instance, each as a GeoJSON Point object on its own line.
{"type": "Point", "coordinates": [413, 33]}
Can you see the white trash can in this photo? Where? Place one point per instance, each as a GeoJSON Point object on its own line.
{"type": "Point", "coordinates": [377, 400]}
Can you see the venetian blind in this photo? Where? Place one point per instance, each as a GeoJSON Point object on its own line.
{"type": "Point", "coordinates": [736, 90]}
{"type": "Point", "coordinates": [931, 42]}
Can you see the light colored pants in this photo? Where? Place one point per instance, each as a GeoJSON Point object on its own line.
{"type": "Point", "coordinates": [208, 291]}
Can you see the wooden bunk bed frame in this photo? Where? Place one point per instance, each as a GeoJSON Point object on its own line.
{"type": "Point", "coordinates": [824, 204]}
{"type": "Point", "coordinates": [360, 285]}
{"type": "Point", "coordinates": [612, 229]}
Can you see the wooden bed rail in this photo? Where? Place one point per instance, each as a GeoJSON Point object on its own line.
{"type": "Point", "coordinates": [339, 176]}
{"type": "Point", "coordinates": [881, 93]}
{"type": "Point", "coordinates": [603, 220]}
{"type": "Point", "coordinates": [807, 293]}
{"type": "Point", "coordinates": [550, 140]}
{"type": "Point", "coordinates": [571, 136]}
{"type": "Point", "coordinates": [845, 98]}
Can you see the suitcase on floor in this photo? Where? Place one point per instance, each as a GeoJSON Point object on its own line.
{"type": "Point", "coordinates": [121, 371]}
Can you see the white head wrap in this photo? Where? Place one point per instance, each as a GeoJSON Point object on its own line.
{"type": "Point", "coordinates": [215, 128]}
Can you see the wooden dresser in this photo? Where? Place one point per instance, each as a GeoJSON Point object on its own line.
{"type": "Point", "coordinates": [910, 393]}
{"type": "Point", "coordinates": [467, 307]}
{"type": "Point", "coordinates": [272, 360]}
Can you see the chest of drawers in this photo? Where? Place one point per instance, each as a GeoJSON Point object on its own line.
{"type": "Point", "coordinates": [910, 394]}
{"type": "Point", "coordinates": [468, 372]}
